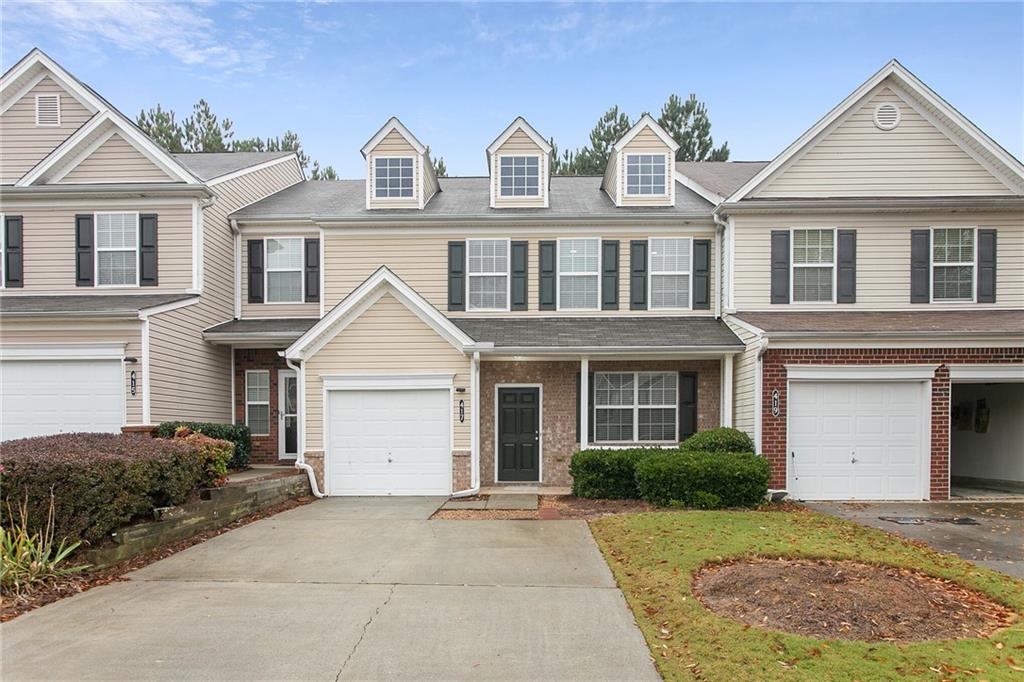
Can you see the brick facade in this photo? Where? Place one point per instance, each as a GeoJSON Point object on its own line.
{"type": "Point", "coordinates": [558, 411]}
{"type": "Point", "coordinates": [773, 429]}
{"type": "Point", "coordinates": [265, 449]}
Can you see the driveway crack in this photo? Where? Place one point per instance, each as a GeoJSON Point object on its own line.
{"type": "Point", "coordinates": [362, 634]}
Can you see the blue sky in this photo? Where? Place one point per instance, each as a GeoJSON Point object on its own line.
{"type": "Point", "coordinates": [457, 74]}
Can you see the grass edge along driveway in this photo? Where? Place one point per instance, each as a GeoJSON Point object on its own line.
{"type": "Point", "coordinates": [653, 557]}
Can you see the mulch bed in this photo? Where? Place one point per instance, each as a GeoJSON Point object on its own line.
{"type": "Point", "coordinates": [847, 600]}
{"type": "Point", "coordinates": [550, 508]}
{"type": "Point", "coordinates": [12, 606]}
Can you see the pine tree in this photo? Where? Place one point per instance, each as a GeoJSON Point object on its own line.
{"type": "Point", "coordinates": [688, 124]}
{"type": "Point", "coordinates": [326, 173]}
{"type": "Point", "coordinates": [162, 127]}
{"type": "Point", "coordinates": [204, 132]}
{"type": "Point", "coordinates": [608, 130]}
{"type": "Point", "coordinates": [440, 168]}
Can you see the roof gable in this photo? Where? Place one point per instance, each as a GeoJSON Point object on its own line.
{"type": "Point", "coordinates": [393, 126]}
{"type": "Point", "coordinates": [113, 159]}
{"type": "Point", "coordinates": [520, 125]}
{"type": "Point", "coordinates": [646, 123]}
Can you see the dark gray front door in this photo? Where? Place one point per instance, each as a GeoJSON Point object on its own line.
{"type": "Point", "coordinates": [518, 434]}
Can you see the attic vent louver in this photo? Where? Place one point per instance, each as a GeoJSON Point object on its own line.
{"type": "Point", "coordinates": [887, 116]}
{"type": "Point", "coordinates": [47, 110]}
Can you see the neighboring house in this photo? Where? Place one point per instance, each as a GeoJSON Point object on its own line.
{"type": "Point", "coordinates": [409, 334]}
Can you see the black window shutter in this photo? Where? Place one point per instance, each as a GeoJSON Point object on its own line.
{"type": "Point", "coordinates": [83, 251]}
{"type": "Point", "coordinates": [687, 405]}
{"type": "Point", "coordinates": [312, 270]}
{"type": "Point", "coordinates": [590, 403]}
{"type": "Point", "coordinates": [255, 270]}
{"type": "Point", "coordinates": [920, 268]}
{"type": "Point", "coordinates": [519, 273]}
{"type": "Point", "coordinates": [780, 266]}
{"type": "Point", "coordinates": [457, 275]}
{"type": "Point", "coordinates": [14, 272]}
{"type": "Point", "coordinates": [147, 251]}
{"type": "Point", "coordinates": [638, 274]}
{"type": "Point", "coordinates": [702, 274]}
{"type": "Point", "coordinates": [846, 259]}
{"type": "Point", "coordinates": [547, 295]}
{"type": "Point", "coordinates": [610, 275]}
{"type": "Point", "coordinates": [986, 266]}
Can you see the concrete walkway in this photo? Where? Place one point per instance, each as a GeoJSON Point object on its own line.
{"type": "Point", "coordinates": [349, 588]}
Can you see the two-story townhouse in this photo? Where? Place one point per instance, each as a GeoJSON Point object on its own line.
{"type": "Point", "coordinates": [115, 256]}
{"type": "Point", "coordinates": [875, 272]}
{"type": "Point", "coordinates": [408, 334]}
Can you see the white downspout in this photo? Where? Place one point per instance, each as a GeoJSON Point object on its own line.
{"type": "Point", "coordinates": [300, 459]}
{"type": "Point", "coordinates": [720, 227]}
{"type": "Point", "coordinates": [474, 429]}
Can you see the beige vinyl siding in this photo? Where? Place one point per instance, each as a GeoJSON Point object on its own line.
{"type": "Point", "coordinates": [422, 262]}
{"type": "Point", "coordinates": [258, 310]}
{"type": "Point", "coordinates": [431, 185]}
{"type": "Point", "coordinates": [394, 144]}
{"type": "Point", "coordinates": [646, 142]}
{"type": "Point", "coordinates": [883, 257]}
{"type": "Point", "coordinates": [66, 331]}
{"type": "Point", "coordinates": [855, 158]}
{"type": "Point", "coordinates": [49, 245]}
{"type": "Point", "coordinates": [116, 161]}
{"type": "Point", "coordinates": [192, 378]}
{"type": "Point", "coordinates": [745, 399]}
{"type": "Point", "coordinates": [518, 144]}
{"type": "Point", "coordinates": [610, 183]}
{"type": "Point", "coordinates": [22, 143]}
{"type": "Point", "coordinates": [386, 339]}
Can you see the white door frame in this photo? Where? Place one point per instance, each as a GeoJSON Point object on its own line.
{"type": "Point", "coordinates": [922, 374]}
{"type": "Point", "coordinates": [540, 427]}
{"type": "Point", "coordinates": [281, 441]}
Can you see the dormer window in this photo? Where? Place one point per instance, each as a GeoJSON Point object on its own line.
{"type": "Point", "coordinates": [47, 110]}
{"type": "Point", "coordinates": [640, 169]}
{"type": "Point", "coordinates": [520, 176]}
{"type": "Point", "coordinates": [393, 177]}
{"type": "Point", "coordinates": [645, 174]}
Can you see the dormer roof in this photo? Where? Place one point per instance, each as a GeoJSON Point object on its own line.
{"type": "Point", "coordinates": [646, 121]}
{"type": "Point", "coordinates": [393, 124]}
{"type": "Point", "coordinates": [519, 124]}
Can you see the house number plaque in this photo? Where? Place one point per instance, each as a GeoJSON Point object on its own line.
{"type": "Point", "coordinates": [462, 411]}
{"type": "Point", "coordinates": [775, 403]}
{"type": "Point", "coordinates": [133, 384]}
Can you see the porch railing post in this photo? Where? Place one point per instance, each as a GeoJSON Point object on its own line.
{"type": "Point", "coordinates": [584, 402]}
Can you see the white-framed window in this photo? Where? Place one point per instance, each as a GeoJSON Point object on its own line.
{"type": "Point", "coordinates": [645, 174]}
{"type": "Point", "coordinates": [48, 110]}
{"type": "Point", "coordinates": [257, 401]}
{"type": "Point", "coordinates": [579, 274]}
{"type": "Point", "coordinates": [117, 249]}
{"type": "Point", "coordinates": [813, 261]}
{"type": "Point", "coordinates": [284, 271]}
{"type": "Point", "coordinates": [636, 407]}
{"type": "Point", "coordinates": [520, 176]}
{"type": "Point", "coordinates": [487, 268]}
{"type": "Point", "coordinates": [670, 272]}
{"type": "Point", "coordinates": [393, 177]}
{"type": "Point", "coordinates": [3, 247]}
{"type": "Point", "coordinates": [953, 254]}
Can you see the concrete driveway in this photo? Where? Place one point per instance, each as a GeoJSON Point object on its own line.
{"type": "Point", "coordinates": [996, 542]}
{"type": "Point", "coordinates": [349, 588]}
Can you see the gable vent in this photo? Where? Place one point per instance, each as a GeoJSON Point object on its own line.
{"type": "Point", "coordinates": [887, 116]}
{"type": "Point", "coordinates": [47, 110]}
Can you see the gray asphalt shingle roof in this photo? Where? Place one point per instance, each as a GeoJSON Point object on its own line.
{"type": "Point", "coordinates": [605, 332]}
{"type": "Point", "coordinates": [284, 325]}
{"type": "Point", "coordinates": [721, 177]}
{"type": "Point", "coordinates": [459, 197]}
{"type": "Point", "coordinates": [95, 304]}
{"type": "Point", "coordinates": [210, 165]}
{"type": "Point", "coordinates": [892, 321]}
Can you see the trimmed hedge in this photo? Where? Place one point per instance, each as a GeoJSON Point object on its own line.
{"type": "Point", "coordinates": [722, 439]}
{"type": "Point", "coordinates": [101, 481]}
{"type": "Point", "coordinates": [236, 433]}
{"type": "Point", "coordinates": [609, 474]}
{"type": "Point", "coordinates": [706, 480]}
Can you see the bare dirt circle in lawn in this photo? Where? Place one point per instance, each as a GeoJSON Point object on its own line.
{"type": "Point", "coordinates": [847, 600]}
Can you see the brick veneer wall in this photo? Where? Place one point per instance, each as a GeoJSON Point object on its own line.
{"type": "Point", "coordinates": [773, 429]}
{"type": "Point", "coordinates": [265, 449]}
{"type": "Point", "coordinates": [558, 437]}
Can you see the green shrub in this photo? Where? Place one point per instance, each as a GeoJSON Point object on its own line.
{"type": "Point", "coordinates": [718, 440]}
{"type": "Point", "coordinates": [706, 480]}
{"type": "Point", "coordinates": [30, 558]}
{"type": "Point", "coordinates": [609, 474]}
{"type": "Point", "coordinates": [236, 433]}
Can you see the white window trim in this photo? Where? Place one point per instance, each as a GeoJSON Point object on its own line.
{"type": "Point", "coordinates": [540, 176]}
{"type": "Point", "coordinates": [973, 265]}
{"type": "Point", "coordinates": [793, 266]}
{"type": "Point", "coordinates": [651, 273]}
{"type": "Point", "coordinates": [266, 272]}
{"type": "Point", "coordinates": [373, 176]}
{"type": "Point", "coordinates": [625, 174]}
{"type": "Point", "coordinates": [3, 248]}
{"type": "Point", "coordinates": [282, 376]}
{"type": "Point", "coordinates": [508, 276]}
{"type": "Point", "coordinates": [559, 274]}
{"type": "Point", "coordinates": [266, 402]}
{"type": "Point", "coordinates": [48, 125]}
{"type": "Point", "coordinates": [97, 249]}
{"type": "Point", "coordinates": [636, 407]}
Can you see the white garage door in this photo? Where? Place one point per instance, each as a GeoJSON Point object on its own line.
{"type": "Point", "coordinates": [42, 397]}
{"type": "Point", "coordinates": [389, 442]}
{"type": "Point", "coordinates": [857, 441]}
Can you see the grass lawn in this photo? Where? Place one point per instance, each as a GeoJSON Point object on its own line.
{"type": "Point", "coordinates": [653, 557]}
